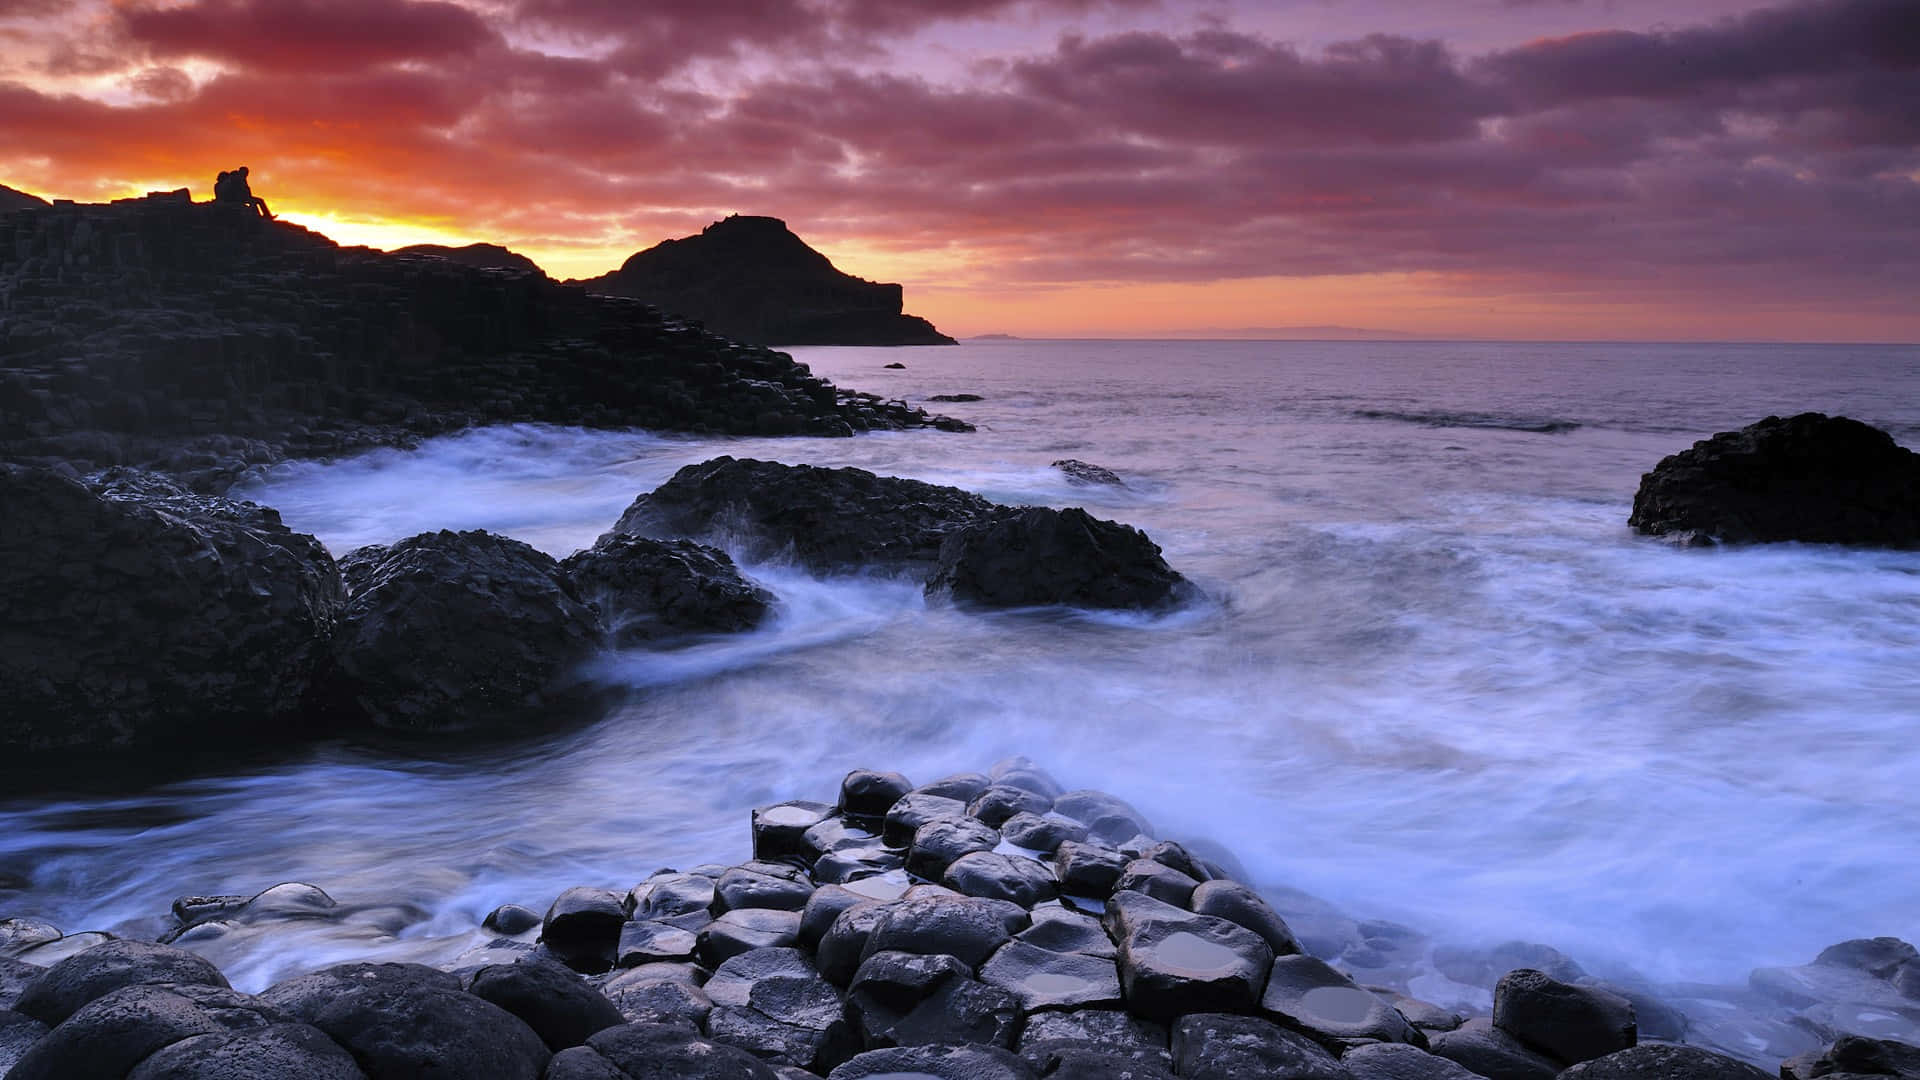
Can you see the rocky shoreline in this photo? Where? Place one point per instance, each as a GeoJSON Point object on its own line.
{"type": "Point", "coordinates": [201, 340]}
{"type": "Point", "coordinates": [979, 927]}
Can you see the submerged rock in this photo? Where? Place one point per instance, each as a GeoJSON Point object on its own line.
{"type": "Point", "coordinates": [652, 589]}
{"type": "Point", "coordinates": [1086, 474]}
{"type": "Point", "coordinates": [460, 632]}
{"type": "Point", "coordinates": [1812, 478]}
{"type": "Point", "coordinates": [1037, 555]}
{"type": "Point", "coordinates": [140, 616]}
{"type": "Point", "coordinates": [1567, 1022]}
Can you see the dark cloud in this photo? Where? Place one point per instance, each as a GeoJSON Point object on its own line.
{"type": "Point", "coordinates": [303, 36]}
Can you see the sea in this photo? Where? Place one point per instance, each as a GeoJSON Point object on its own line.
{"type": "Point", "coordinates": [1435, 679]}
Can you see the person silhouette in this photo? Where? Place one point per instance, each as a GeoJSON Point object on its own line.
{"type": "Point", "coordinates": [231, 187]}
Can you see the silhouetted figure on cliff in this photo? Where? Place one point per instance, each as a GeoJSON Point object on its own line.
{"type": "Point", "coordinates": [231, 188]}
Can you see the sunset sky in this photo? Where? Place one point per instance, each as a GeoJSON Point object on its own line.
{"type": "Point", "coordinates": [1500, 168]}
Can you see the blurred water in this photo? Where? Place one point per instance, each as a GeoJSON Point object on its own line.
{"type": "Point", "coordinates": [1440, 681]}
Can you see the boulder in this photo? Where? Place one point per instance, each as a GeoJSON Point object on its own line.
{"type": "Point", "coordinates": [659, 994]}
{"type": "Point", "coordinates": [744, 930]}
{"type": "Point", "coordinates": [941, 842]}
{"type": "Point", "coordinates": [1856, 1055]}
{"type": "Point", "coordinates": [1566, 1022]}
{"type": "Point", "coordinates": [1058, 1061]}
{"type": "Point", "coordinates": [963, 927]}
{"type": "Point", "coordinates": [960, 786]}
{"type": "Point", "coordinates": [936, 1062]}
{"type": "Point", "coordinates": [113, 1033]}
{"type": "Point", "coordinates": [1306, 994]}
{"type": "Point", "coordinates": [61, 990]}
{"type": "Point", "coordinates": [654, 942]}
{"type": "Point", "coordinates": [1812, 478]}
{"type": "Point", "coordinates": [1239, 904]}
{"type": "Point", "coordinates": [913, 810]}
{"type": "Point", "coordinates": [648, 590]}
{"type": "Point", "coordinates": [1158, 880]}
{"type": "Point", "coordinates": [866, 796]}
{"type": "Point", "coordinates": [1085, 474]}
{"type": "Point", "coordinates": [511, 920]}
{"type": "Point", "coordinates": [1485, 1049]}
{"type": "Point", "coordinates": [1040, 556]}
{"type": "Point", "coordinates": [1400, 1061]}
{"type": "Point", "coordinates": [14, 977]}
{"type": "Point", "coordinates": [668, 1052]}
{"type": "Point", "coordinates": [843, 948]}
{"type": "Point", "coordinates": [1089, 870]}
{"type": "Point", "coordinates": [140, 616]}
{"type": "Point", "coordinates": [556, 1003]}
{"type": "Point", "coordinates": [398, 1029]}
{"type": "Point", "coordinates": [583, 926]}
{"type": "Point", "coordinates": [995, 876]}
{"type": "Point", "coordinates": [743, 888]}
{"type": "Point", "coordinates": [453, 632]}
{"type": "Point", "coordinates": [1111, 1030]}
{"type": "Point", "coordinates": [1173, 961]}
{"type": "Point", "coordinates": [1058, 928]}
{"type": "Point", "coordinates": [905, 999]}
{"type": "Point", "coordinates": [18, 1033]}
{"type": "Point", "coordinates": [1217, 1046]}
{"type": "Point", "coordinates": [826, 520]}
{"type": "Point", "coordinates": [779, 831]}
{"type": "Point", "coordinates": [1879, 957]}
{"type": "Point", "coordinates": [1656, 1061]}
{"type": "Point", "coordinates": [1000, 802]}
{"type": "Point", "coordinates": [772, 1003]}
{"type": "Point", "coordinates": [1043, 979]}
{"type": "Point", "coordinates": [270, 1053]}
{"type": "Point", "coordinates": [1042, 834]}
{"type": "Point", "coordinates": [304, 996]}
{"type": "Point", "coordinates": [669, 896]}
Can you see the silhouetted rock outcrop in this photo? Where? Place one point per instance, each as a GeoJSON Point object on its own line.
{"type": "Point", "coordinates": [478, 256]}
{"type": "Point", "coordinates": [19, 200]}
{"type": "Point", "coordinates": [750, 279]}
{"type": "Point", "coordinates": [1813, 478]}
{"type": "Point", "coordinates": [162, 331]}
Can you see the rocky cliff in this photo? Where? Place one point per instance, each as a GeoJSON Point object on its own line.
{"type": "Point", "coordinates": [18, 200]}
{"type": "Point", "coordinates": [482, 256]}
{"type": "Point", "coordinates": [751, 279]}
{"type": "Point", "coordinates": [200, 337]}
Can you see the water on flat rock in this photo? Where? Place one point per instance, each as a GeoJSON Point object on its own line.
{"type": "Point", "coordinates": [1442, 683]}
{"type": "Point", "coordinates": [1338, 1004]}
{"type": "Point", "coordinates": [1194, 955]}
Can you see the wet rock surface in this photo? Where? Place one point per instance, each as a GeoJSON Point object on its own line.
{"type": "Point", "coordinates": [648, 590]}
{"type": "Point", "coordinates": [799, 976]}
{"type": "Point", "coordinates": [1037, 556]}
{"type": "Point", "coordinates": [138, 615]}
{"type": "Point", "coordinates": [1812, 478]}
{"type": "Point", "coordinates": [231, 341]}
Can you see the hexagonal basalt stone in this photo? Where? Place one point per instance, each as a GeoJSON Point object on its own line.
{"type": "Point", "coordinates": [659, 994]}
{"type": "Point", "coordinates": [668, 1052]}
{"type": "Point", "coordinates": [582, 927]}
{"type": "Point", "coordinates": [962, 1062]}
{"type": "Point", "coordinates": [964, 927]}
{"type": "Point", "coordinates": [1216, 1046]}
{"type": "Point", "coordinates": [915, 809]}
{"type": "Point", "coordinates": [1401, 1061]}
{"type": "Point", "coordinates": [1158, 880]}
{"type": "Point", "coordinates": [1041, 833]}
{"type": "Point", "coordinates": [1566, 1022]}
{"type": "Point", "coordinates": [557, 1004]}
{"type": "Point", "coordinates": [851, 864]}
{"type": "Point", "coordinates": [844, 946]}
{"type": "Point", "coordinates": [1001, 877]}
{"type": "Point", "coordinates": [867, 795]}
{"type": "Point", "coordinates": [1660, 1062]}
{"type": "Point", "coordinates": [671, 895]}
{"type": "Point", "coordinates": [62, 989]}
{"type": "Point", "coordinates": [836, 834]}
{"type": "Point", "coordinates": [938, 843]}
{"type": "Point", "coordinates": [1061, 929]}
{"type": "Point", "coordinates": [1112, 1030]}
{"type": "Point", "coordinates": [1091, 808]}
{"type": "Point", "coordinates": [110, 1034]}
{"type": "Point", "coordinates": [746, 929]}
{"type": "Point", "coordinates": [1174, 962]}
{"type": "Point", "coordinates": [778, 829]}
{"type": "Point", "coordinates": [1492, 1053]}
{"type": "Point", "coordinates": [960, 786]}
{"type": "Point", "coordinates": [773, 1003]}
{"type": "Point", "coordinates": [1051, 980]}
{"type": "Point", "coordinates": [741, 888]}
{"type": "Point", "coordinates": [905, 999]}
{"type": "Point", "coordinates": [1002, 801]}
{"type": "Point", "coordinates": [1089, 870]}
{"type": "Point", "coordinates": [654, 942]}
{"type": "Point", "coordinates": [1304, 993]}
{"type": "Point", "coordinates": [1242, 906]}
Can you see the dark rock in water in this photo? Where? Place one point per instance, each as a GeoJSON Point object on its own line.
{"type": "Point", "coordinates": [659, 994]}
{"type": "Point", "coordinates": [654, 942]}
{"type": "Point", "coordinates": [1484, 967]}
{"type": "Point", "coordinates": [772, 1003]}
{"type": "Point", "coordinates": [1001, 877]}
{"type": "Point", "coordinates": [1880, 957]}
{"type": "Point", "coordinates": [955, 398]}
{"type": "Point", "coordinates": [669, 896]}
{"type": "Point", "coordinates": [1037, 555]}
{"type": "Point", "coordinates": [1811, 478]}
{"type": "Point", "coordinates": [1239, 904]}
{"type": "Point", "coordinates": [940, 842]}
{"type": "Point", "coordinates": [747, 929]}
{"type": "Point", "coordinates": [1653, 1017]}
{"type": "Point", "coordinates": [1097, 808]}
{"type": "Point", "coordinates": [1002, 801]}
{"type": "Point", "coordinates": [896, 364]}
{"type": "Point", "coordinates": [652, 589]}
{"type": "Point", "coordinates": [1173, 961]}
{"type": "Point", "coordinates": [112, 1034]}
{"type": "Point", "coordinates": [1158, 880]}
{"type": "Point", "coordinates": [141, 616]}
{"type": "Point", "coordinates": [667, 1052]}
{"type": "Point", "coordinates": [750, 279]}
{"type": "Point", "coordinates": [778, 830]}
{"type": "Point", "coordinates": [582, 927]}
{"type": "Point", "coordinates": [557, 1004]}
{"type": "Point", "coordinates": [1306, 994]}
{"type": "Point", "coordinates": [1494, 1054]}
{"type": "Point", "coordinates": [866, 795]}
{"type": "Point", "coordinates": [960, 786]}
{"type": "Point", "coordinates": [17, 935]}
{"type": "Point", "coordinates": [1042, 979]}
{"type": "Point", "coordinates": [1112, 1030]}
{"type": "Point", "coordinates": [1655, 1061]}
{"type": "Point", "coordinates": [62, 989]}
{"type": "Point", "coordinates": [1042, 834]}
{"type": "Point", "coordinates": [1566, 1022]}
{"type": "Point", "coordinates": [1216, 1046]}
{"type": "Point", "coordinates": [843, 948]}
{"type": "Point", "coordinates": [1087, 474]}
{"type": "Point", "coordinates": [827, 520]}
{"type": "Point", "coordinates": [1089, 870]}
{"type": "Point", "coordinates": [511, 919]}
{"type": "Point", "coordinates": [479, 256]}
{"type": "Point", "coordinates": [18, 1032]}
{"type": "Point", "coordinates": [304, 996]}
{"type": "Point", "coordinates": [279, 1050]}
{"type": "Point", "coordinates": [1400, 1061]}
{"type": "Point", "coordinates": [231, 341]}
{"type": "Point", "coordinates": [460, 631]}
{"type": "Point", "coordinates": [741, 888]}
{"type": "Point", "coordinates": [913, 810]}
{"type": "Point", "coordinates": [397, 1030]}
{"type": "Point", "coordinates": [1855, 1055]}
{"type": "Point", "coordinates": [961, 926]}
{"type": "Point", "coordinates": [935, 1063]}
